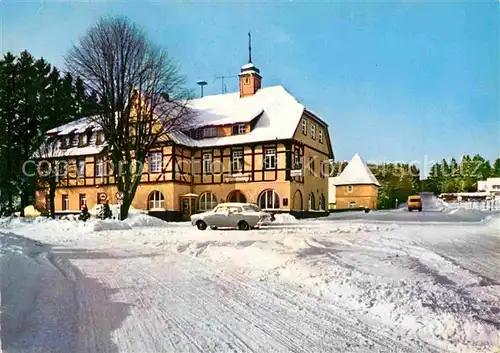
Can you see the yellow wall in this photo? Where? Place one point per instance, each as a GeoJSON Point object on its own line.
{"type": "Point", "coordinates": [363, 195]}
{"type": "Point", "coordinates": [313, 183]}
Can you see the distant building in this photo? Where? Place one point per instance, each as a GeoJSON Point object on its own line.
{"type": "Point", "coordinates": [491, 186]}
{"type": "Point", "coordinates": [355, 187]}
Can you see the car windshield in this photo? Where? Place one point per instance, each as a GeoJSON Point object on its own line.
{"type": "Point", "coordinates": [254, 208]}
{"type": "Point", "coordinates": [414, 200]}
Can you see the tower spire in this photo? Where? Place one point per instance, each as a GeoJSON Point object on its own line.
{"type": "Point", "coordinates": [249, 47]}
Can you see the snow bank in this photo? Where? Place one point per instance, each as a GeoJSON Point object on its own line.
{"type": "Point", "coordinates": [469, 205]}
{"type": "Point", "coordinates": [115, 210]}
{"type": "Point", "coordinates": [284, 218]}
{"type": "Point", "coordinates": [143, 220]}
{"type": "Point", "coordinates": [38, 303]}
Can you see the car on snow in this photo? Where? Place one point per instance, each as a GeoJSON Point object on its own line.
{"type": "Point", "coordinates": [414, 203]}
{"type": "Point", "coordinates": [243, 216]}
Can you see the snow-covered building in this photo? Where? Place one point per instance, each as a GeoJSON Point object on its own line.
{"type": "Point", "coordinates": [490, 186]}
{"type": "Point", "coordinates": [257, 145]}
{"type": "Point", "coordinates": [355, 187]}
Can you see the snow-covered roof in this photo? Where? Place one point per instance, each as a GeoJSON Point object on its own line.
{"type": "Point", "coordinates": [279, 112]}
{"type": "Point", "coordinates": [276, 113]}
{"type": "Point", "coordinates": [77, 126]}
{"type": "Point", "coordinates": [356, 173]}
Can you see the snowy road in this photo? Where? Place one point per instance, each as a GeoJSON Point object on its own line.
{"type": "Point", "coordinates": [304, 286]}
{"type": "Point", "coordinates": [182, 304]}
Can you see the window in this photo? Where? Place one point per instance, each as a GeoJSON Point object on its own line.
{"type": "Point", "coordinates": [210, 132]}
{"type": "Point", "coordinates": [239, 129]}
{"type": "Point", "coordinates": [322, 202]}
{"type": "Point", "coordinates": [320, 136]}
{"type": "Point", "coordinates": [313, 131]}
{"type": "Point", "coordinates": [221, 209]}
{"type": "Point", "coordinates": [246, 81]}
{"type": "Point", "coordinates": [352, 204]}
{"type": "Point", "coordinates": [349, 188]}
{"type": "Point", "coordinates": [83, 139]}
{"type": "Point", "coordinates": [312, 201]}
{"type": "Point", "coordinates": [65, 203]}
{"type": "Point", "coordinates": [156, 200]}
{"type": "Point", "coordinates": [311, 166]}
{"type": "Point", "coordinates": [237, 161]}
{"type": "Point", "coordinates": [269, 199]}
{"type": "Point", "coordinates": [297, 160]}
{"type": "Point", "coordinates": [304, 126]}
{"type": "Point", "coordinates": [83, 200]}
{"type": "Point", "coordinates": [207, 163]}
{"type": "Point", "coordinates": [99, 139]}
{"type": "Point", "coordinates": [99, 167]}
{"type": "Point", "coordinates": [154, 162]}
{"type": "Point", "coordinates": [80, 167]}
{"type": "Point", "coordinates": [270, 158]}
{"type": "Point", "coordinates": [66, 142]}
{"type": "Point", "coordinates": [62, 168]}
{"type": "Point", "coordinates": [207, 201]}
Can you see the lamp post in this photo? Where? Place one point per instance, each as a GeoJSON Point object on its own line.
{"type": "Point", "coordinates": [201, 83]}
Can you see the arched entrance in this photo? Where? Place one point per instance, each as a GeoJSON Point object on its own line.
{"type": "Point", "coordinates": [236, 196]}
{"type": "Point", "coordinates": [298, 202]}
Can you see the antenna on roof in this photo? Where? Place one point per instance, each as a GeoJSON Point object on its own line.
{"type": "Point", "coordinates": [201, 83]}
{"type": "Point", "coordinates": [223, 86]}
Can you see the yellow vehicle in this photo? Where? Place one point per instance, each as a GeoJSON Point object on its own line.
{"type": "Point", "coordinates": [414, 203]}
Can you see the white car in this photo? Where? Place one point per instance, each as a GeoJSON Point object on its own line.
{"type": "Point", "coordinates": [243, 216]}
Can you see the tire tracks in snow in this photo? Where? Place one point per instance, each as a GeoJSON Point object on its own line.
{"type": "Point", "coordinates": [184, 304]}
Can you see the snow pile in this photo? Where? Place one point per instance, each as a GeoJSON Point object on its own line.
{"type": "Point", "coordinates": [115, 210]}
{"type": "Point", "coordinates": [140, 220]}
{"type": "Point", "coordinates": [98, 225]}
{"type": "Point", "coordinates": [284, 218]}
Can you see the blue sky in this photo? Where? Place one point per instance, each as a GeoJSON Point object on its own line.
{"type": "Point", "coordinates": [394, 81]}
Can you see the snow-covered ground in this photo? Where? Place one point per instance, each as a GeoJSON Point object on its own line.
{"type": "Point", "coordinates": [325, 285]}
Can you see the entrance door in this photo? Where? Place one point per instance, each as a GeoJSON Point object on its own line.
{"type": "Point", "coordinates": [236, 196]}
{"type": "Point", "coordinates": [188, 207]}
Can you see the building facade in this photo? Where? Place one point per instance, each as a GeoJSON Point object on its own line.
{"type": "Point", "coordinates": [257, 145]}
{"type": "Point", "coordinates": [355, 187]}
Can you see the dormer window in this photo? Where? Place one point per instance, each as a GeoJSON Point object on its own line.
{"type": "Point", "coordinates": [66, 142]}
{"type": "Point", "coordinates": [239, 129]}
{"type": "Point", "coordinates": [83, 140]}
{"type": "Point", "coordinates": [99, 138]}
{"type": "Point", "coordinates": [210, 132]}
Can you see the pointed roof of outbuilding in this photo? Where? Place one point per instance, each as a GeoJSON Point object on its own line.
{"type": "Point", "coordinates": [356, 173]}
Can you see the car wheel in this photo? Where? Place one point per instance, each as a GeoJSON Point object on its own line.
{"type": "Point", "coordinates": [409, 210]}
{"type": "Point", "coordinates": [213, 227]}
{"type": "Point", "coordinates": [201, 225]}
{"type": "Point", "coordinates": [242, 225]}
{"type": "Point", "coordinates": [419, 210]}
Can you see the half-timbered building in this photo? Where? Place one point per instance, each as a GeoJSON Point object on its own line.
{"type": "Point", "coordinates": [257, 145]}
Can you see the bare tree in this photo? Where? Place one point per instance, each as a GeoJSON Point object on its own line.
{"type": "Point", "coordinates": [141, 93]}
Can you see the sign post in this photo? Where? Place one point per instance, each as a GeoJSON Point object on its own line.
{"type": "Point", "coordinates": [119, 199]}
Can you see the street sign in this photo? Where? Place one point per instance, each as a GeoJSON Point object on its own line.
{"type": "Point", "coordinates": [119, 195]}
